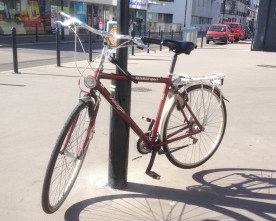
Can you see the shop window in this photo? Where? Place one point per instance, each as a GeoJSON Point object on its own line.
{"type": "Point", "coordinates": [27, 16]}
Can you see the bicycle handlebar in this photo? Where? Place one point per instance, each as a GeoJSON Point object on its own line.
{"type": "Point", "coordinates": [74, 21]}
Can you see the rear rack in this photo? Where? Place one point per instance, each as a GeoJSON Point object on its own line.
{"type": "Point", "coordinates": [214, 79]}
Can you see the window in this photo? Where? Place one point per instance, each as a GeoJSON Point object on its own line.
{"type": "Point", "coordinates": [217, 28]}
{"type": "Point", "coordinates": [152, 17]}
{"type": "Point", "coordinates": [165, 18]}
{"type": "Point", "coordinates": [201, 20]}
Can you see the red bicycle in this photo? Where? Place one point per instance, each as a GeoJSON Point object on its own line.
{"type": "Point", "coordinates": [188, 128]}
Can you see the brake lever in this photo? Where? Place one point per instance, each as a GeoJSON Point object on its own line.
{"type": "Point", "coordinates": [140, 45]}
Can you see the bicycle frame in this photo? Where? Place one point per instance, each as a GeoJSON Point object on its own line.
{"type": "Point", "coordinates": [150, 141]}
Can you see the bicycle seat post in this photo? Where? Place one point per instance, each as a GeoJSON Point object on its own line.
{"type": "Point", "coordinates": [173, 62]}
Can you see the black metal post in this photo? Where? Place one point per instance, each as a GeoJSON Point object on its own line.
{"type": "Point", "coordinates": [119, 130]}
{"type": "Point", "coordinates": [132, 48]}
{"type": "Point", "coordinates": [161, 38]}
{"type": "Point", "coordinates": [58, 46]}
{"type": "Point", "coordinates": [36, 32]}
{"type": "Point", "coordinates": [223, 11]}
{"type": "Point", "coordinates": [185, 14]}
{"type": "Point", "coordinates": [148, 43]}
{"type": "Point", "coordinates": [172, 34]}
{"type": "Point", "coordinates": [90, 46]}
{"type": "Point", "coordinates": [14, 47]}
{"type": "Point", "coordinates": [201, 37]}
{"type": "Point", "coordinates": [62, 28]}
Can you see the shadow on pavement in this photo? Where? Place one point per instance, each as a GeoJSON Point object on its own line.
{"type": "Point", "coordinates": [53, 75]}
{"type": "Point", "coordinates": [231, 193]}
{"type": "Point", "coordinates": [13, 85]}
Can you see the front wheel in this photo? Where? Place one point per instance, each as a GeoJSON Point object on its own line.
{"type": "Point", "coordinates": [209, 108]}
{"type": "Point", "coordinates": [67, 156]}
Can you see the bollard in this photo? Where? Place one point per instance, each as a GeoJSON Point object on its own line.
{"type": "Point", "coordinates": [14, 47]}
{"type": "Point", "coordinates": [159, 30]}
{"type": "Point", "coordinates": [90, 46]}
{"type": "Point", "coordinates": [201, 37]}
{"type": "Point", "coordinates": [172, 34]}
{"type": "Point", "coordinates": [58, 46]}
{"type": "Point", "coordinates": [148, 43]}
{"type": "Point", "coordinates": [161, 39]}
{"type": "Point", "coordinates": [132, 48]}
{"type": "Point", "coordinates": [36, 32]}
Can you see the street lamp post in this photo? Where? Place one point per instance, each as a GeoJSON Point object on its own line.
{"type": "Point", "coordinates": [223, 11]}
{"type": "Point", "coordinates": [62, 28]}
{"type": "Point", "coordinates": [185, 14]}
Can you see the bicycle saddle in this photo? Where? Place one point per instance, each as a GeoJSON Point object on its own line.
{"type": "Point", "coordinates": [179, 47]}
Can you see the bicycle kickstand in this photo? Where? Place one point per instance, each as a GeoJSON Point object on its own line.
{"type": "Point", "coordinates": [152, 158]}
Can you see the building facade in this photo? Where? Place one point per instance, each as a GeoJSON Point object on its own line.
{"type": "Point", "coordinates": [242, 11]}
{"type": "Point", "coordinates": [39, 16]}
{"type": "Point", "coordinates": [205, 12]}
{"type": "Point", "coordinates": [199, 13]}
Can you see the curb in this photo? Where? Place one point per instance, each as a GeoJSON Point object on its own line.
{"type": "Point", "coordinates": [52, 41]}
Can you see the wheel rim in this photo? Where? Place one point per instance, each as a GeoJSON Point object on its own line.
{"type": "Point", "coordinates": [69, 162]}
{"type": "Point", "coordinates": [207, 141]}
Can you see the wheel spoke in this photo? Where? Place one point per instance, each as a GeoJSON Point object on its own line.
{"type": "Point", "coordinates": [65, 163]}
{"type": "Point", "coordinates": [209, 110]}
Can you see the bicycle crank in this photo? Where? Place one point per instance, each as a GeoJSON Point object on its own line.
{"type": "Point", "coordinates": [152, 174]}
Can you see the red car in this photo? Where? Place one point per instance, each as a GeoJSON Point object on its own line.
{"type": "Point", "coordinates": [219, 33]}
{"type": "Point", "coordinates": [239, 33]}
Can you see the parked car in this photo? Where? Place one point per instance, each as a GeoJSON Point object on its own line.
{"type": "Point", "coordinates": [248, 33]}
{"type": "Point", "coordinates": [239, 33]}
{"type": "Point", "coordinates": [219, 33]}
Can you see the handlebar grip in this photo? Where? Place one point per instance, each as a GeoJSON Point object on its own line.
{"type": "Point", "coordinates": [151, 40]}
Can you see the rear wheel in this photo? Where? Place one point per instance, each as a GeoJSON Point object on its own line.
{"type": "Point", "coordinates": [209, 108]}
{"type": "Point", "coordinates": [67, 156]}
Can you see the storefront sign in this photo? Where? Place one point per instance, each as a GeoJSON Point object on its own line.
{"type": "Point", "coordinates": [138, 4]}
{"type": "Point", "coordinates": [81, 9]}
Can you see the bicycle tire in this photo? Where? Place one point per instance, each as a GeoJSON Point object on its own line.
{"type": "Point", "coordinates": [195, 150]}
{"type": "Point", "coordinates": [63, 168]}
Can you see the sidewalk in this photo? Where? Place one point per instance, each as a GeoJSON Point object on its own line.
{"type": "Point", "coordinates": [237, 183]}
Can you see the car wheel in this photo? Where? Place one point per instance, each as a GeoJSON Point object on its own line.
{"type": "Point", "coordinates": [207, 42]}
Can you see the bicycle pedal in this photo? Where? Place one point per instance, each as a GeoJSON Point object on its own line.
{"type": "Point", "coordinates": [153, 175]}
{"type": "Point", "coordinates": [147, 119]}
